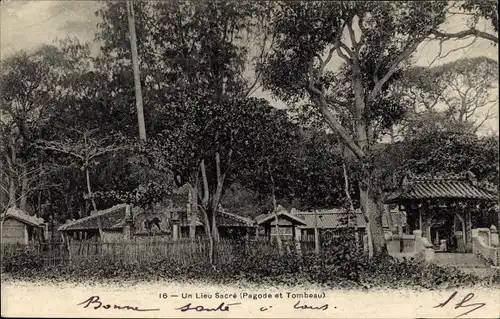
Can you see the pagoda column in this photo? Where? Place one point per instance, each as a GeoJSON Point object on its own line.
{"type": "Point", "coordinates": [468, 231]}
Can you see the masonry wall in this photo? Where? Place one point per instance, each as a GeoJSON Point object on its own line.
{"type": "Point", "coordinates": [13, 232]}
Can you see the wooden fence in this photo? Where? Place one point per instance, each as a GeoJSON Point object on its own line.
{"type": "Point", "coordinates": [184, 251]}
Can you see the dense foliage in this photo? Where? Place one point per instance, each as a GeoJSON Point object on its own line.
{"type": "Point", "coordinates": [338, 268]}
{"type": "Point", "coordinates": [68, 125]}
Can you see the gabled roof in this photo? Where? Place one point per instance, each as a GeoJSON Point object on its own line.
{"type": "Point", "coordinates": [451, 187]}
{"type": "Point", "coordinates": [111, 218]}
{"type": "Point", "coordinates": [23, 217]}
{"type": "Point", "coordinates": [262, 219]}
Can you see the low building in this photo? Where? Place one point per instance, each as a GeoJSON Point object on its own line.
{"type": "Point", "coordinates": [441, 208]}
{"type": "Point", "coordinates": [20, 228]}
{"type": "Point", "coordinates": [282, 222]}
{"type": "Point", "coordinates": [229, 225]}
{"type": "Point", "coordinates": [330, 222]}
{"type": "Point", "coordinates": [300, 225]}
{"type": "Point", "coordinates": [111, 222]}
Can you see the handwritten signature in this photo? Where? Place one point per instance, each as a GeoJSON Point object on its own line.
{"type": "Point", "coordinates": [97, 303]}
{"type": "Point", "coordinates": [463, 303]}
{"type": "Point", "coordinates": [226, 307]}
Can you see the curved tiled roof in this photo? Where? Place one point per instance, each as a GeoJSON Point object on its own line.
{"type": "Point", "coordinates": [440, 188]}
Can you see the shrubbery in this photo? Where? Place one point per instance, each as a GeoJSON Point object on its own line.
{"type": "Point", "coordinates": [340, 267]}
{"type": "Point", "coordinates": [23, 261]}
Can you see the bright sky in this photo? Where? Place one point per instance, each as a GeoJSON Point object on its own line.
{"type": "Point", "coordinates": [28, 24]}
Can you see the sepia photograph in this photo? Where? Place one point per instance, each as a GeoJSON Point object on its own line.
{"type": "Point", "coordinates": [249, 159]}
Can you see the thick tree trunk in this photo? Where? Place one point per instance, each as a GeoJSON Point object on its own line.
{"type": "Point", "coordinates": [374, 214]}
{"type": "Point", "coordinates": [372, 209]}
{"type": "Point", "coordinates": [210, 239]}
{"type": "Point", "coordinates": [215, 230]}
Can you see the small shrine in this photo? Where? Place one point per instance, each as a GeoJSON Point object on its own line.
{"type": "Point", "coordinates": [443, 208]}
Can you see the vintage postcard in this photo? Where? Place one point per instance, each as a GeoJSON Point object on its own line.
{"type": "Point", "coordinates": [249, 159]}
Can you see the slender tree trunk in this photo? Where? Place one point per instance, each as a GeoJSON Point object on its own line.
{"type": "Point", "coordinates": [89, 189]}
{"type": "Point", "coordinates": [23, 201]}
{"type": "Point", "coordinates": [213, 210]}
{"type": "Point", "coordinates": [194, 210]}
{"type": "Point", "coordinates": [135, 64]}
{"type": "Point", "coordinates": [12, 192]}
{"type": "Point", "coordinates": [316, 233]}
{"type": "Point", "coordinates": [11, 160]}
{"type": "Point", "coordinates": [278, 235]}
{"type": "Point", "coordinates": [92, 200]}
{"type": "Point", "coordinates": [218, 191]}
{"type": "Point", "coordinates": [346, 188]}
{"type": "Point", "coordinates": [275, 209]}
{"type": "Point", "coordinates": [352, 210]}
{"type": "Point", "coordinates": [205, 201]}
{"type": "Point", "coordinates": [39, 204]}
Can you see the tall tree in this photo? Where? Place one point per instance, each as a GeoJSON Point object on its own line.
{"type": "Point", "coordinates": [373, 40]}
{"type": "Point", "coordinates": [30, 82]}
{"type": "Point", "coordinates": [137, 74]}
{"type": "Point", "coordinates": [193, 58]}
{"type": "Point", "coordinates": [209, 145]}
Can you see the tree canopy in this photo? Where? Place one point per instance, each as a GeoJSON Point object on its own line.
{"type": "Point", "coordinates": [344, 69]}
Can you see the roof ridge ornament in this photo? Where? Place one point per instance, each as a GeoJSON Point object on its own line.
{"type": "Point", "coordinates": [471, 178]}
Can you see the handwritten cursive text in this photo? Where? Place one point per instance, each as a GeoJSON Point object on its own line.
{"type": "Point", "coordinates": [97, 303]}
{"type": "Point", "coordinates": [306, 307]}
{"type": "Point", "coordinates": [221, 307]}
